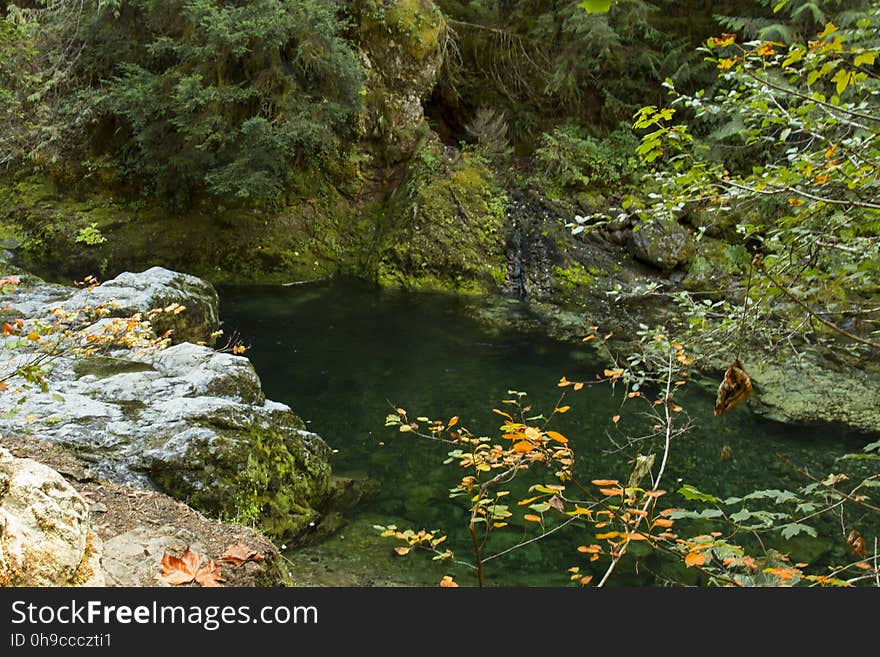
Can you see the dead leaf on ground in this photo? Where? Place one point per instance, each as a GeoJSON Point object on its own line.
{"type": "Point", "coordinates": [240, 553]}
{"type": "Point", "coordinates": [188, 568]}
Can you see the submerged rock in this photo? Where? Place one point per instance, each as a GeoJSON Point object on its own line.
{"type": "Point", "coordinates": [45, 537]}
{"type": "Point", "coordinates": [188, 420]}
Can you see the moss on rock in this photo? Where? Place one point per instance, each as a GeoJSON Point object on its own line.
{"type": "Point", "coordinates": [267, 475]}
{"type": "Point", "coordinates": [446, 228]}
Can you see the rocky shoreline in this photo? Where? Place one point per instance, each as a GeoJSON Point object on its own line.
{"type": "Point", "coordinates": [186, 427]}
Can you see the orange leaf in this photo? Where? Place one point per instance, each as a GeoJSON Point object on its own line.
{"type": "Point", "coordinates": [663, 522]}
{"type": "Point", "coordinates": [591, 549]}
{"type": "Point", "coordinates": [522, 447]}
{"type": "Point", "coordinates": [605, 482]}
{"type": "Point", "coordinates": [448, 583]}
{"type": "Point", "coordinates": [452, 422]}
{"type": "Point", "coordinates": [530, 517]}
{"type": "Point", "coordinates": [209, 575]}
{"type": "Point", "coordinates": [633, 394]}
{"type": "Point", "coordinates": [585, 580]}
{"type": "Point", "coordinates": [615, 419]}
{"type": "Point", "coordinates": [240, 553]}
{"type": "Point", "coordinates": [3, 386]}
{"type": "Point", "coordinates": [182, 569]}
{"type": "Point", "coordinates": [611, 492]}
{"type": "Point", "coordinates": [654, 493]}
{"type": "Point", "coordinates": [634, 536]}
{"type": "Point", "coordinates": [507, 415]}
{"type": "Point", "coordinates": [695, 559]}
{"type": "Point", "coordinates": [578, 386]}
{"type": "Point", "coordinates": [588, 338]}
{"type": "Point", "coordinates": [602, 537]}
{"type": "Point", "coordinates": [8, 329]}
{"type": "Point", "coordinates": [558, 437]}
{"type": "Point", "coordinates": [402, 551]}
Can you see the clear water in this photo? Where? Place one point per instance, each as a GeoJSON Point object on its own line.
{"type": "Point", "coordinates": [342, 353]}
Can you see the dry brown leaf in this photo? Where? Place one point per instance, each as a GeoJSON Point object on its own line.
{"type": "Point", "coordinates": [182, 569]}
{"type": "Point", "coordinates": [240, 553]}
{"type": "Point", "coordinates": [735, 387]}
{"type": "Point", "coordinates": [209, 575]}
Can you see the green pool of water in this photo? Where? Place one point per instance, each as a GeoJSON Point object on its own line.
{"type": "Point", "coordinates": [341, 353]}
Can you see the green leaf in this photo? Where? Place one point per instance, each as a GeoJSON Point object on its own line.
{"type": "Point", "coordinates": [741, 516]}
{"type": "Point", "coordinates": [778, 496]}
{"type": "Point", "coordinates": [541, 507]}
{"type": "Point", "coordinates": [871, 447]}
{"type": "Point", "coordinates": [595, 6]}
{"type": "Point", "coordinates": [705, 514]}
{"type": "Point", "coordinates": [795, 528]}
{"type": "Point", "coordinates": [691, 493]}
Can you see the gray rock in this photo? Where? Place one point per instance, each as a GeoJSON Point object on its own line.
{"type": "Point", "coordinates": [45, 537]}
{"type": "Point", "coordinates": [188, 420]}
{"type": "Point", "coordinates": [157, 287]}
{"type": "Point", "coordinates": [663, 244]}
{"type": "Point", "coordinates": [812, 395]}
{"type": "Point", "coordinates": [133, 558]}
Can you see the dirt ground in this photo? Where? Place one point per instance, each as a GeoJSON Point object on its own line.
{"type": "Point", "coordinates": [132, 514]}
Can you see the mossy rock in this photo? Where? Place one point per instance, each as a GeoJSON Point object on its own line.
{"type": "Point", "coordinates": [273, 475]}
{"type": "Point", "coordinates": [715, 266]}
{"type": "Point", "coordinates": [401, 50]}
{"type": "Point", "coordinates": [447, 227]}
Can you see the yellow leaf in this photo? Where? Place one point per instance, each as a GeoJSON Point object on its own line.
{"type": "Point", "coordinates": [563, 382]}
{"type": "Point", "coordinates": [588, 338]}
{"type": "Point", "coordinates": [499, 524]}
{"type": "Point", "coordinates": [33, 336]}
{"type": "Point", "coordinates": [695, 559]}
{"type": "Point", "coordinates": [530, 517]}
{"type": "Point", "coordinates": [528, 500]}
{"type": "Point", "coordinates": [558, 437]}
{"type": "Point", "coordinates": [507, 415]}
{"type": "Point", "coordinates": [452, 422]}
{"type": "Point", "coordinates": [562, 409]}
{"type": "Point", "coordinates": [483, 467]}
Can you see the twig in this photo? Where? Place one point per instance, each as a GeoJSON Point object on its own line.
{"type": "Point", "coordinates": [656, 481]}
{"type": "Point", "coordinates": [812, 313]}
